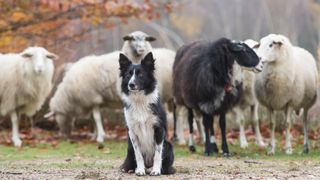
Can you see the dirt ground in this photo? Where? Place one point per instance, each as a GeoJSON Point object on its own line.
{"type": "Point", "coordinates": [187, 168]}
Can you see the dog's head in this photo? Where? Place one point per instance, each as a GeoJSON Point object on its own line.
{"type": "Point", "coordinates": [137, 77]}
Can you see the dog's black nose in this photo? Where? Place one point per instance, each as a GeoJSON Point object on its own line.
{"type": "Point", "coordinates": [131, 85]}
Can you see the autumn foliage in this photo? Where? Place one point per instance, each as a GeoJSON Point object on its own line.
{"type": "Point", "coordinates": [49, 22]}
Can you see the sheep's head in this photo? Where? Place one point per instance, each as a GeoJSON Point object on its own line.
{"type": "Point", "coordinates": [272, 47]}
{"type": "Point", "coordinates": [245, 56]}
{"type": "Point", "coordinates": [139, 42]}
{"type": "Point", "coordinates": [254, 45]}
{"type": "Point", "coordinates": [39, 57]}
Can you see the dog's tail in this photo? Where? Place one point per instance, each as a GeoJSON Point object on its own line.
{"type": "Point", "coordinates": [170, 170]}
{"type": "Point", "coordinates": [168, 159]}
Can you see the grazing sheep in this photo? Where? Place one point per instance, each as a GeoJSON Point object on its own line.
{"type": "Point", "coordinates": [25, 82]}
{"type": "Point", "coordinates": [248, 100]}
{"type": "Point", "coordinates": [203, 80]}
{"type": "Point", "coordinates": [287, 83]}
{"type": "Point", "coordinates": [99, 86]}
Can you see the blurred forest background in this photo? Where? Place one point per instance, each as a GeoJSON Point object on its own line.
{"type": "Point", "coordinates": [76, 28]}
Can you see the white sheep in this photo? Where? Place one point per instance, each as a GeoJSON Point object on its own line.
{"type": "Point", "coordinates": [248, 100]}
{"type": "Point", "coordinates": [287, 83]}
{"type": "Point", "coordinates": [93, 82]}
{"type": "Point", "coordinates": [25, 82]}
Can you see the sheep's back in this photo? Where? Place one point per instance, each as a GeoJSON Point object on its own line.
{"type": "Point", "coordinates": [163, 71]}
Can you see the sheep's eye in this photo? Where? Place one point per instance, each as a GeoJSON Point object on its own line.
{"type": "Point", "coordinates": [27, 55]}
{"type": "Point", "coordinates": [270, 45]}
{"type": "Point", "coordinates": [50, 56]}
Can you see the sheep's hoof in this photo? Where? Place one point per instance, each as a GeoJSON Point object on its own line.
{"type": "Point", "coordinates": [174, 139]}
{"type": "Point", "coordinates": [226, 154]}
{"type": "Point", "coordinates": [289, 151]}
{"type": "Point", "coordinates": [17, 143]}
{"type": "Point", "coordinates": [244, 145]}
{"type": "Point", "coordinates": [207, 153]}
{"type": "Point", "coordinates": [100, 146]}
{"type": "Point", "coordinates": [305, 149]}
{"type": "Point", "coordinates": [214, 148]}
{"type": "Point", "coordinates": [261, 144]}
{"type": "Point", "coordinates": [192, 149]}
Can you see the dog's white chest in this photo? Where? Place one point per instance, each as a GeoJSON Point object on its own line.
{"type": "Point", "coordinates": [141, 123]}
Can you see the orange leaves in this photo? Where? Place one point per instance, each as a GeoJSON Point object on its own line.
{"type": "Point", "coordinates": [46, 22]}
{"type": "Point", "coordinates": [19, 16]}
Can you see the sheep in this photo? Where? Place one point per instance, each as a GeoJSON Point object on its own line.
{"type": "Point", "coordinates": [287, 83]}
{"type": "Point", "coordinates": [25, 82]}
{"type": "Point", "coordinates": [83, 91]}
{"type": "Point", "coordinates": [248, 100]}
{"type": "Point", "coordinates": [203, 80]}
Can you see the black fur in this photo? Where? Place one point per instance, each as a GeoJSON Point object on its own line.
{"type": "Point", "coordinates": [145, 78]}
{"type": "Point", "coordinates": [146, 82]}
{"type": "Point", "coordinates": [201, 72]}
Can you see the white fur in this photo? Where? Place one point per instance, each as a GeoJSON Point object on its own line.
{"type": "Point", "coordinates": [25, 82]}
{"type": "Point", "coordinates": [140, 121]}
{"type": "Point", "coordinates": [288, 81]}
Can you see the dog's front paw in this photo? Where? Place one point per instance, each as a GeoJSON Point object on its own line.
{"type": "Point", "coordinates": [155, 172]}
{"type": "Point", "coordinates": [140, 172]}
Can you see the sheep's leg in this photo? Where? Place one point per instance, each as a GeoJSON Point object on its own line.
{"type": "Point", "coordinates": [174, 137]}
{"type": "Point", "coordinates": [213, 144]}
{"type": "Point", "coordinates": [206, 124]}
{"type": "Point", "coordinates": [272, 145]}
{"type": "Point", "coordinates": [15, 129]}
{"type": "Point", "coordinates": [222, 123]}
{"type": "Point", "coordinates": [140, 170]}
{"type": "Point", "coordinates": [201, 130]}
{"type": "Point", "coordinates": [98, 121]}
{"type": "Point", "coordinates": [255, 118]}
{"type": "Point", "coordinates": [305, 131]}
{"type": "Point", "coordinates": [95, 133]}
{"type": "Point", "coordinates": [180, 126]}
{"type": "Point", "coordinates": [65, 126]}
{"type": "Point", "coordinates": [190, 121]}
{"type": "Point", "coordinates": [288, 145]}
{"type": "Point", "coordinates": [240, 119]}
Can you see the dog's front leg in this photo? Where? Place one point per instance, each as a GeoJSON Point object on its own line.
{"type": "Point", "coordinates": [140, 170]}
{"type": "Point", "coordinates": [157, 160]}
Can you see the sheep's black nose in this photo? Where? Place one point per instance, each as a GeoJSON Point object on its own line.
{"type": "Point", "coordinates": [131, 85]}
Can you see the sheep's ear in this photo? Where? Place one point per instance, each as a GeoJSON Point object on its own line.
{"type": "Point", "coordinates": [256, 46]}
{"type": "Point", "coordinates": [52, 56]}
{"type": "Point", "coordinates": [127, 38]}
{"type": "Point", "coordinates": [148, 61]}
{"type": "Point", "coordinates": [150, 38]}
{"type": "Point", "coordinates": [124, 62]}
{"type": "Point", "coordinates": [26, 55]}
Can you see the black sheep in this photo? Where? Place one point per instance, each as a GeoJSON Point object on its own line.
{"type": "Point", "coordinates": [202, 80]}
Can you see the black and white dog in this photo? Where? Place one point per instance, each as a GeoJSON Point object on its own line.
{"type": "Point", "coordinates": [148, 149]}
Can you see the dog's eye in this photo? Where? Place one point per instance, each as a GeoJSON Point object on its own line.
{"type": "Point", "coordinates": [270, 45]}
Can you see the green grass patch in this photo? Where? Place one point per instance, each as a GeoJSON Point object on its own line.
{"type": "Point", "coordinates": [117, 150]}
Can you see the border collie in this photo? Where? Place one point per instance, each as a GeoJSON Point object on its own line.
{"type": "Point", "coordinates": [148, 149]}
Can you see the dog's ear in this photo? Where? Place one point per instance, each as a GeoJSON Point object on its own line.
{"type": "Point", "coordinates": [124, 62]}
{"type": "Point", "coordinates": [148, 61]}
